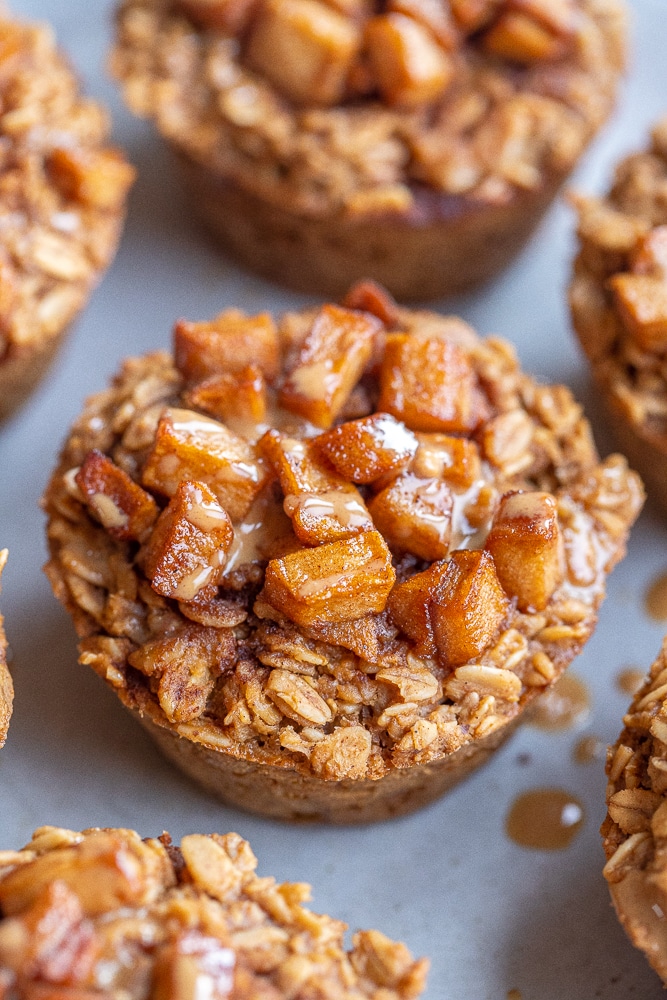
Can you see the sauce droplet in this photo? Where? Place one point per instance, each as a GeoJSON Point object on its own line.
{"type": "Point", "coordinates": [546, 819]}
{"type": "Point", "coordinates": [655, 600]}
{"type": "Point", "coordinates": [589, 749]}
{"type": "Point", "coordinates": [630, 680]}
{"type": "Point", "coordinates": [565, 705]}
{"type": "Point", "coordinates": [514, 995]}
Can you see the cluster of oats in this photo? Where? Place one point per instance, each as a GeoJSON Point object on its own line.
{"type": "Point", "coordinates": [346, 600]}
{"type": "Point", "coordinates": [105, 913]}
{"type": "Point", "coordinates": [619, 290]}
{"type": "Point", "coordinates": [61, 189]}
{"type": "Point", "coordinates": [353, 107]}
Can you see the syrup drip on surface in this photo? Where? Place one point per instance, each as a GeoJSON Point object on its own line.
{"type": "Point", "coordinates": [589, 749]}
{"type": "Point", "coordinates": [655, 599]}
{"type": "Point", "coordinates": [630, 680]}
{"type": "Point", "coordinates": [566, 705]}
{"type": "Point", "coordinates": [514, 995]}
{"type": "Point", "coordinates": [545, 819]}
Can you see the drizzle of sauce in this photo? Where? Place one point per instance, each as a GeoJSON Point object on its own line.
{"type": "Point", "coordinates": [629, 680]}
{"type": "Point", "coordinates": [589, 749]}
{"type": "Point", "coordinates": [565, 705]}
{"type": "Point", "coordinates": [655, 599]}
{"type": "Point", "coordinates": [545, 819]}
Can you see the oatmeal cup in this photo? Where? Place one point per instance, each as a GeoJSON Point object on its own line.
{"type": "Point", "coordinates": [62, 195]}
{"type": "Point", "coordinates": [618, 300]}
{"type": "Point", "coordinates": [105, 914]}
{"type": "Point", "coordinates": [328, 560]}
{"type": "Point", "coordinates": [6, 688]}
{"type": "Point", "coordinates": [417, 143]}
{"type": "Point", "coordinates": [635, 829]}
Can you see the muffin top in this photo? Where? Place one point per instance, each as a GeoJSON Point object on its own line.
{"type": "Point", "coordinates": [348, 540]}
{"type": "Point", "coordinates": [357, 106]}
{"type": "Point", "coordinates": [619, 290]}
{"type": "Point", "coordinates": [105, 913]}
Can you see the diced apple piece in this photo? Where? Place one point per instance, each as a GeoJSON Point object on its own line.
{"type": "Point", "coordinates": [331, 361]}
{"type": "Point", "coordinates": [434, 15]}
{"type": "Point", "coordinates": [298, 465]}
{"type": "Point", "coordinates": [429, 384]}
{"type": "Point", "coordinates": [189, 545]}
{"type": "Point", "coordinates": [441, 456]}
{"type": "Point", "coordinates": [559, 16]}
{"type": "Point", "coordinates": [408, 605]}
{"type": "Point", "coordinates": [650, 254]}
{"type": "Point", "coordinates": [641, 301]}
{"type": "Point", "coordinates": [327, 517]}
{"type": "Point", "coordinates": [415, 515]}
{"type": "Point", "coordinates": [237, 399]}
{"type": "Point", "coordinates": [115, 500]}
{"type": "Point", "coordinates": [231, 17]}
{"type": "Point", "coordinates": [370, 297]}
{"type": "Point", "coordinates": [305, 48]}
{"type": "Point", "coordinates": [364, 450]}
{"type": "Point", "coordinates": [409, 65]}
{"type": "Point", "coordinates": [229, 343]}
{"type": "Point", "coordinates": [99, 178]}
{"type": "Point", "coordinates": [468, 607]}
{"type": "Point", "coordinates": [332, 583]}
{"type": "Point", "coordinates": [190, 446]}
{"type": "Point", "coordinates": [526, 546]}
{"type": "Point", "coordinates": [521, 39]}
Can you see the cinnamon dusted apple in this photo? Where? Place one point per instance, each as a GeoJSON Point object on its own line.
{"type": "Point", "coordinates": [635, 829]}
{"type": "Point", "coordinates": [618, 299]}
{"type": "Point", "coordinates": [339, 605]}
{"type": "Point", "coordinates": [414, 141]}
{"type": "Point", "coordinates": [62, 198]}
{"type": "Point", "coordinates": [6, 688]}
{"type": "Point", "coordinates": [105, 914]}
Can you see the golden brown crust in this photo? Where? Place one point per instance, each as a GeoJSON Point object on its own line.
{"type": "Point", "coordinates": [349, 696]}
{"type": "Point", "coordinates": [6, 687]}
{"type": "Point", "coordinates": [103, 913]}
{"type": "Point", "coordinates": [62, 194]}
{"type": "Point", "coordinates": [318, 196]}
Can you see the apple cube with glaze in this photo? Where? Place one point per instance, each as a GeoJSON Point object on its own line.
{"type": "Point", "coordinates": [190, 446]}
{"type": "Point", "coordinates": [409, 65]}
{"type": "Point", "coordinates": [454, 459]}
{"type": "Point", "coordinates": [119, 504]}
{"type": "Point", "coordinates": [99, 178]}
{"type": "Point", "coordinates": [330, 363]}
{"type": "Point", "coordinates": [336, 582]}
{"type": "Point", "coordinates": [228, 343]}
{"type": "Point", "coordinates": [429, 384]}
{"type": "Point", "coordinates": [231, 17]}
{"type": "Point", "coordinates": [650, 254]}
{"type": "Point", "coordinates": [408, 605]}
{"type": "Point", "coordinates": [237, 399]}
{"type": "Point", "coordinates": [305, 48]}
{"type": "Point", "coordinates": [189, 545]}
{"type": "Point", "coordinates": [467, 607]}
{"type": "Point", "coordinates": [415, 515]}
{"type": "Point", "coordinates": [327, 517]}
{"type": "Point", "coordinates": [298, 465]}
{"type": "Point", "coordinates": [641, 301]}
{"type": "Point", "coordinates": [370, 297]}
{"type": "Point", "coordinates": [367, 449]}
{"type": "Point", "coordinates": [526, 545]}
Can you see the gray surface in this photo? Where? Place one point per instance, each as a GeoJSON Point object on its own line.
{"type": "Point", "coordinates": [447, 881]}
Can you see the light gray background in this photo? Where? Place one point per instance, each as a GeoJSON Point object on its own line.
{"type": "Point", "coordinates": [492, 916]}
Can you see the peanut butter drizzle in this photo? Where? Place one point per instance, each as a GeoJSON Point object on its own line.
{"type": "Point", "coordinates": [589, 749]}
{"type": "Point", "coordinates": [630, 680]}
{"type": "Point", "coordinates": [565, 705]}
{"type": "Point", "coordinates": [655, 599]}
{"type": "Point", "coordinates": [544, 819]}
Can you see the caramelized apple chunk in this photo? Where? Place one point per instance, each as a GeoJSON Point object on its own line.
{"type": "Point", "coordinates": [299, 465]}
{"type": "Point", "coordinates": [364, 450]}
{"type": "Point", "coordinates": [429, 384]}
{"type": "Point", "coordinates": [327, 517]}
{"type": "Point", "coordinates": [114, 499]}
{"type": "Point", "coordinates": [331, 361]}
{"type": "Point", "coordinates": [370, 297]}
{"type": "Point", "coordinates": [99, 178]}
{"type": "Point", "coordinates": [467, 607]}
{"type": "Point", "coordinates": [305, 48]}
{"type": "Point", "coordinates": [650, 254]}
{"type": "Point", "coordinates": [189, 545]}
{"type": "Point", "coordinates": [408, 606]}
{"type": "Point", "coordinates": [520, 38]}
{"type": "Point", "coordinates": [409, 65]}
{"type": "Point", "coordinates": [332, 583]}
{"type": "Point", "coordinates": [190, 446]}
{"type": "Point", "coordinates": [415, 515]}
{"type": "Point", "coordinates": [230, 17]}
{"type": "Point", "coordinates": [229, 343]}
{"type": "Point", "coordinates": [526, 546]}
{"type": "Point", "coordinates": [237, 399]}
{"type": "Point", "coordinates": [441, 456]}
{"type": "Point", "coordinates": [641, 302]}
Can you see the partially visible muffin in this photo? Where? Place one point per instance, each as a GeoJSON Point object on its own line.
{"type": "Point", "coordinates": [328, 559]}
{"type": "Point", "coordinates": [618, 299]}
{"type": "Point", "coordinates": [635, 829]}
{"type": "Point", "coordinates": [104, 913]}
{"type": "Point", "coordinates": [62, 197]}
{"type": "Point", "coordinates": [414, 143]}
{"type": "Point", "coordinates": [6, 688]}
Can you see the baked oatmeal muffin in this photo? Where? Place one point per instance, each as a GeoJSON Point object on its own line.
{"type": "Point", "coordinates": [635, 829]}
{"type": "Point", "coordinates": [417, 143]}
{"type": "Point", "coordinates": [62, 195]}
{"type": "Point", "coordinates": [618, 299]}
{"type": "Point", "coordinates": [104, 913]}
{"type": "Point", "coordinates": [328, 559]}
{"type": "Point", "coordinates": [6, 688]}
